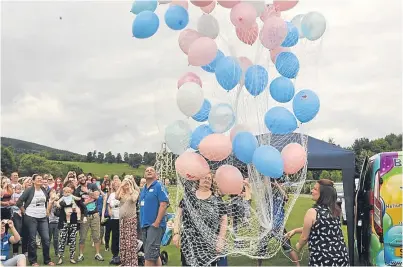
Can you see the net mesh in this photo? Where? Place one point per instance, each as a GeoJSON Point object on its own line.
{"type": "Point", "coordinates": [252, 223]}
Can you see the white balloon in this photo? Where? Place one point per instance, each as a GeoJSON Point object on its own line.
{"type": "Point", "coordinates": [296, 21]}
{"type": "Point", "coordinates": [239, 128]}
{"type": "Point", "coordinates": [208, 26]}
{"type": "Point", "coordinates": [190, 98]}
{"type": "Point", "coordinates": [313, 25]}
{"type": "Point", "coordinates": [259, 5]}
{"type": "Point", "coordinates": [221, 118]}
{"type": "Point", "coordinates": [177, 136]}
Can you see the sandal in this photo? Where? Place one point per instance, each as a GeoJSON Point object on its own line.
{"type": "Point", "coordinates": [35, 264]}
{"type": "Point", "coordinates": [51, 263]}
{"type": "Point", "coordinates": [73, 261]}
{"type": "Point", "coordinates": [60, 261]}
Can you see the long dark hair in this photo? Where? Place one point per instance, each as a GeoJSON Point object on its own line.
{"type": "Point", "coordinates": [328, 197]}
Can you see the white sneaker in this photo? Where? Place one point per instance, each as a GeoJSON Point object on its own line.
{"type": "Point", "coordinates": [139, 244]}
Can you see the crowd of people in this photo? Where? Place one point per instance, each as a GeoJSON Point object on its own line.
{"type": "Point", "coordinates": [124, 217]}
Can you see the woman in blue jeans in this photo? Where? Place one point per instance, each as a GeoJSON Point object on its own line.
{"type": "Point", "coordinates": [32, 204]}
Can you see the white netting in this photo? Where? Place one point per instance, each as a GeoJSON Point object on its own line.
{"type": "Point", "coordinates": [255, 223]}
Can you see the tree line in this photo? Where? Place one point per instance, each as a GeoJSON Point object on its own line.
{"type": "Point", "coordinates": [133, 159]}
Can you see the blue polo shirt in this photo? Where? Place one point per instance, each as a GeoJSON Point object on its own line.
{"type": "Point", "coordinates": [150, 199]}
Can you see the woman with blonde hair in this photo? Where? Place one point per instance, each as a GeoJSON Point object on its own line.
{"type": "Point", "coordinates": [128, 194]}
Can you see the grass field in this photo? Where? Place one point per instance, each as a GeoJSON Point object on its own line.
{"type": "Point", "coordinates": [100, 169]}
{"type": "Point", "coordinates": [295, 220]}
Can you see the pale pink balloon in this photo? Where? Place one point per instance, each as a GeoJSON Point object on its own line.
{"type": "Point", "coordinates": [229, 180]}
{"type": "Point", "coordinates": [189, 77]}
{"type": "Point", "coordinates": [284, 5]}
{"type": "Point", "coordinates": [201, 3]}
{"type": "Point", "coordinates": [191, 166]}
{"type": "Point", "coordinates": [215, 147]}
{"type": "Point", "coordinates": [243, 15]}
{"type": "Point", "coordinates": [294, 158]}
{"type": "Point", "coordinates": [273, 32]}
{"type": "Point", "coordinates": [276, 51]}
{"type": "Point", "coordinates": [208, 9]}
{"type": "Point", "coordinates": [182, 3]}
{"type": "Point", "coordinates": [239, 127]}
{"type": "Point", "coordinates": [248, 36]}
{"type": "Point", "coordinates": [228, 3]}
{"type": "Point", "coordinates": [270, 11]}
{"type": "Point", "coordinates": [186, 38]}
{"type": "Point", "coordinates": [202, 51]}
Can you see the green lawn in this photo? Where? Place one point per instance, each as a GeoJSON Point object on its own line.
{"type": "Point", "coordinates": [100, 169]}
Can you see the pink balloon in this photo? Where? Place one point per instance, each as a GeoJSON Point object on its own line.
{"type": "Point", "coordinates": [208, 9]}
{"type": "Point", "coordinates": [191, 166]}
{"type": "Point", "coordinates": [201, 3]}
{"type": "Point", "coordinates": [202, 51]}
{"type": "Point", "coordinates": [243, 15]}
{"type": "Point", "coordinates": [189, 77]}
{"type": "Point", "coordinates": [284, 5]}
{"type": "Point", "coordinates": [239, 127]}
{"type": "Point", "coordinates": [215, 147]}
{"type": "Point", "coordinates": [182, 3]}
{"type": "Point", "coordinates": [229, 180]}
{"type": "Point", "coordinates": [248, 36]}
{"type": "Point", "coordinates": [186, 38]}
{"type": "Point", "coordinates": [273, 32]}
{"type": "Point", "coordinates": [270, 11]}
{"type": "Point", "coordinates": [294, 158]}
{"type": "Point", "coordinates": [276, 51]}
{"type": "Point", "coordinates": [228, 3]}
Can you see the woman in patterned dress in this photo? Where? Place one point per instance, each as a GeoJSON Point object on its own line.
{"type": "Point", "coordinates": [322, 228]}
{"type": "Point", "coordinates": [128, 194]}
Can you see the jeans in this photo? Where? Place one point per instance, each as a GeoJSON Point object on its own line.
{"type": "Point", "coordinates": [40, 225]}
{"type": "Point", "coordinates": [114, 226]}
{"type": "Point", "coordinates": [54, 233]}
{"type": "Point", "coordinates": [17, 220]}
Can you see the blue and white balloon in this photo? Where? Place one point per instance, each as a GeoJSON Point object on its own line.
{"type": "Point", "coordinates": [202, 114]}
{"type": "Point", "coordinates": [145, 25]}
{"type": "Point", "coordinates": [221, 118]}
{"type": "Point", "coordinates": [280, 120]}
{"type": "Point", "coordinates": [177, 136]}
{"type": "Point", "coordinates": [287, 64]}
{"type": "Point", "coordinates": [244, 145]}
{"type": "Point", "coordinates": [176, 17]}
{"type": "Point", "coordinates": [212, 66]}
{"type": "Point", "coordinates": [228, 72]}
{"type": "Point", "coordinates": [267, 160]}
{"type": "Point", "coordinates": [292, 36]}
{"type": "Point", "coordinates": [282, 89]}
{"type": "Point", "coordinates": [198, 134]}
{"type": "Point", "coordinates": [139, 6]}
{"type": "Point", "coordinates": [305, 105]}
{"type": "Point", "coordinates": [313, 25]}
{"type": "Point", "coordinates": [256, 79]}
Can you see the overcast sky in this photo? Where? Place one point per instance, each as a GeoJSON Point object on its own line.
{"type": "Point", "coordinates": [74, 78]}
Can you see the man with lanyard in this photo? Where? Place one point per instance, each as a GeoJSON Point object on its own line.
{"type": "Point", "coordinates": [153, 205]}
{"type": "Point", "coordinates": [89, 194]}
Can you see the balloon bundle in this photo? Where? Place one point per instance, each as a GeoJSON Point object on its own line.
{"type": "Point", "coordinates": [222, 136]}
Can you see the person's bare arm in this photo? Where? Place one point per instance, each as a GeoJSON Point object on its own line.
{"type": "Point", "coordinates": [104, 207]}
{"type": "Point", "coordinates": [309, 220]}
{"type": "Point", "coordinates": [16, 236]}
{"type": "Point", "coordinates": [177, 225]}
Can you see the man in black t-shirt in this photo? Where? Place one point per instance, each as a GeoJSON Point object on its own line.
{"type": "Point", "coordinates": [89, 194]}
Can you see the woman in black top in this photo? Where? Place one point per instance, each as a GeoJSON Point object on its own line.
{"type": "Point", "coordinates": [200, 225]}
{"type": "Point", "coordinates": [322, 228]}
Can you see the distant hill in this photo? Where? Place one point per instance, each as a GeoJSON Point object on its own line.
{"type": "Point", "coordinates": [25, 147]}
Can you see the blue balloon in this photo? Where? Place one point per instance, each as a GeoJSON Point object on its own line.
{"type": "Point", "coordinates": [282, 89]}
{"type": "Point", "coordinates": [287, 65]}
{"type": "Point", "coordinates": [176, 17]}
{"type": "Point", "coordinates": [244, 145]}
{"type": "Point", "coordinates": [268, 161]}
{"type": "Point", "coordinates": [145, 25]}
{"type": "Point", "coordinates": [280, 120]}
{"type": "Point", "coordinates": [256, 79]}
{"type": "Point", "coordinates": [213, 64]}
{"type": "Point", "coordinates": [143, 5]}
{"type": "Point", "coordinates": [198, 134]}
{"type": "Point", "coordinates": [292, 36]}
{"type": "Point", "coordinates": [228, 73]}
{"type": "Point", "coordinates": [306, 105]}
{"type": "Point", "coordinates": [202, 114]}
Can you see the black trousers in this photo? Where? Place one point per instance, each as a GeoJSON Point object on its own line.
{"type": "Point", "coordinates": [114, 226]}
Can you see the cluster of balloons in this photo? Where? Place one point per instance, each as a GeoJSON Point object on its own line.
{"type": "Point", "coordinates": [209, 140]}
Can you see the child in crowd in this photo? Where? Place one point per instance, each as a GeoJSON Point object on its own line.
{"type": "Point", "coordinates": [71, 205]}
